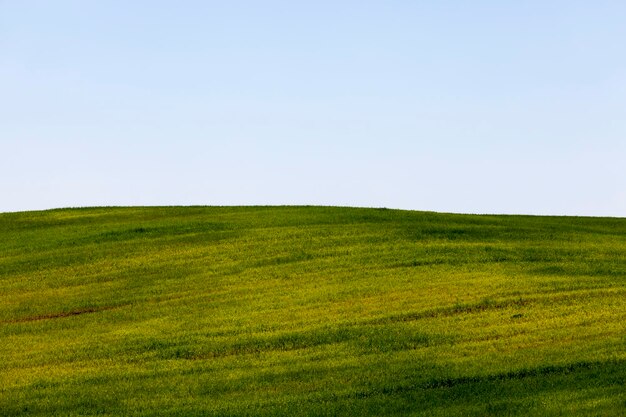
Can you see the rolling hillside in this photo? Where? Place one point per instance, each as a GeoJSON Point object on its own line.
{"type": "Point", "coordinates": [202, 311]}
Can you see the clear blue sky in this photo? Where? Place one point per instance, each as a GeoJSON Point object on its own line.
{"type": "Point", "coordinates": [456, 106]}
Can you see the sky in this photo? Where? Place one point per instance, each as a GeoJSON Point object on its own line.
{"type": "Point", "coordinates": [454, 106]}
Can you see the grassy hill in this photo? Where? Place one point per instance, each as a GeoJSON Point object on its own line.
{"type": "Point", "coordinates": [202, 311]}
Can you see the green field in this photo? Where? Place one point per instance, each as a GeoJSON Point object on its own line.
{"type": "Point", "coordinates": [202, 311]}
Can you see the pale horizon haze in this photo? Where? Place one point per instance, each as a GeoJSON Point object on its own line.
{"type": "Point", "coordinates": [453, 106]}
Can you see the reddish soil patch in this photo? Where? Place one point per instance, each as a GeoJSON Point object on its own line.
{"type": "Point", "coordinates": [61, 314]}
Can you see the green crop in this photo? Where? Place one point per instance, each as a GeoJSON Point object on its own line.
{"type": "Point", "coordinates": [259, 311]}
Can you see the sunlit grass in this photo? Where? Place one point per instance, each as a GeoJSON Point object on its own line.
{"type": "Point", "coordinates": [310, 311]}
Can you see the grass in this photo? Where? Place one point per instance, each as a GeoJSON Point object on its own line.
{"type": "Point", "coordinates": [268, 311]}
